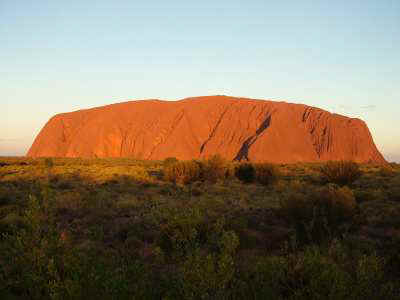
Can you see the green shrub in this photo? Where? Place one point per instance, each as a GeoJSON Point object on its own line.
{"type": "Point", "coordinates": [319, 213]}
{"type": "Point", "coordinates": [182, 172]}
{"type": "Point", "coordinates": [245, 172]}
{"type": "Point", "coordinates": [317, 274]}
{"type": "Point", "coordinates": [266, 173]}
{"type": "Point", "coordinates": [182, 232]}
{"type": "Point", "coordinates": [33, 252]}
{"type": "Point", "coordinates": [340, 172]}
{"type": "Point", "coordinates": [331, 272]}
{"type": "Point", "coordinates": [208, 276]}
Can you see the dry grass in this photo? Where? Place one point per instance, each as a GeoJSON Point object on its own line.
{"type": "Point", "coordinates": [182, 172]}
{"type": "Point", "coordinates": [341, 172]}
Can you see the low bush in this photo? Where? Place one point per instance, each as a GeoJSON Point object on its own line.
{"type": "Point", "coordinates": [140, 174]}
{"type": "Point", "coordinates": [245, 172]}
{"type": "Point", "coordinates": [365, 195]}
{"type": "Point", "coordinates": [318, 214]}
{"type": "Point", "coordinates": [170, 161]}
{"type": "Point", "coordinates": [38, 262]}
{"type": "Point", "coordinates": [182, 172]}
{"type": "Point", "coordinates": [48, 162]}
{"type": "Point", "coordinates": [211, 170]}
{"type": "Point", "coordinates": [209, 275]}
{"type": "Point", "coordinates": [214, 168]}
{"type": "Point", "coordinates": [341, 172]}
{"type": "Point", "coordinates": [266, 173]}
{"type": "Point", "coordinates": [317, 273]}
{"type": "Point", "coordinates": [182, 232]}
{"type": "Point", "coordinates": [387, 171]}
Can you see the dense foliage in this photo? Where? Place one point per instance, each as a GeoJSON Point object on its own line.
{"type": "Point", "coordinates": [129, 229]}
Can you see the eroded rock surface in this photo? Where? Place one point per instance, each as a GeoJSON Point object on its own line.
{"type": "Point", "coordinates": [237, 128]}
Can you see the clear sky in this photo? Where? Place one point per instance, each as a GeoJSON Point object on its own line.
{"type": "Point", "coordinates": [59, 56]}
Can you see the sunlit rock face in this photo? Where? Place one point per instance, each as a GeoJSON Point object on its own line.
{"type": "Point", "coordinates": [236, 128]}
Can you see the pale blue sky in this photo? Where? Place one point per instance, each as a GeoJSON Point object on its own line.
{"type": "Point", "coordinates": [58, 56]}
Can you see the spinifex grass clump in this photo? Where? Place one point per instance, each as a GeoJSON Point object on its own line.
{"type": "Point", "coordinates": [211, 170]}
{"type": "Point", "coordinates": [214, 168]}
{"type": "Point", "coordinates": [182, 172]}
{"type": "Point", "coordinates": [341, 172]}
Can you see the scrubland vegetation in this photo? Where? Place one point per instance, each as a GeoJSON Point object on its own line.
{"type": "Point", "coordinates": [210, 229]}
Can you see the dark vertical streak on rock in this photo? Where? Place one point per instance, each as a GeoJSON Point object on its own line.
{"type": "Point", "coordinates": [244, 150]}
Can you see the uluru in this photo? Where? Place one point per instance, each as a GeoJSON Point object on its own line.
{"type": "Point", "coordinates": [236, 128]}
